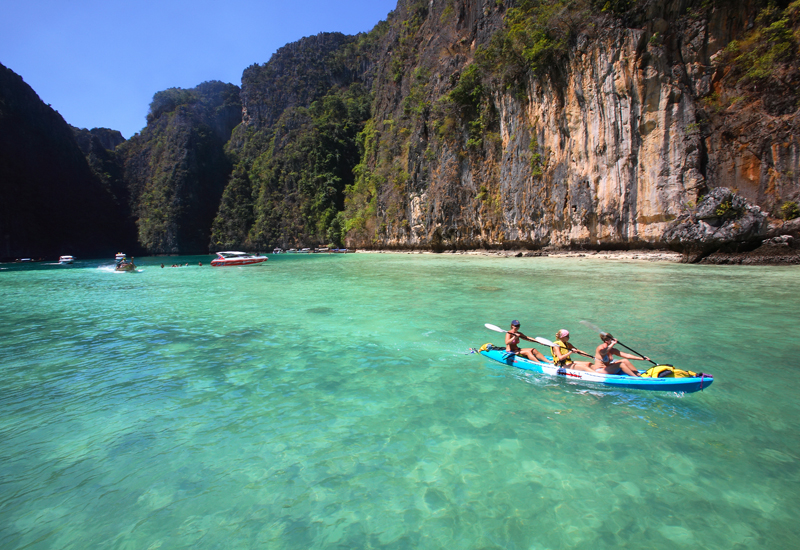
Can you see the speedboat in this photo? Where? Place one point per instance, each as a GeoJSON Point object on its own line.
{"type": "Point", "coordinates": [65, 260]}
{"type": "Point", "coordinates": [124, 263]}
{"type": "Point", "coordinates": [236, 258]}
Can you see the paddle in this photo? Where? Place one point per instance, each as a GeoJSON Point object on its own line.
{"type": "Point", "coordinates": [597, 329]}
{"type": "Point", "coordinates": [537, 339]}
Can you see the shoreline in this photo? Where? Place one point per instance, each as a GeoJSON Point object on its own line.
{"type": "Point", "coordinates": [646, 255]}
{"type": "Point", "coordinates": [765, 255]}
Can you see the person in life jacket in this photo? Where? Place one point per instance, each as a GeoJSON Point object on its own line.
{"type": "Point", "coordinates": [562, 351]}
{"type": "Point", "coordinates": [512, 344]}
{"type": "Point", "coordinates": [604, 354]}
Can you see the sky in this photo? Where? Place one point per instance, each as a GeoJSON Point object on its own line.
{"type": "Point", "coordinates": [98, 63]}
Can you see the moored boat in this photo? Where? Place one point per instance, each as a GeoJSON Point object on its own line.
{"type": "Point", "coordinates": [685, 385]}
{"type": "Point", "coordinates": [234, 258]}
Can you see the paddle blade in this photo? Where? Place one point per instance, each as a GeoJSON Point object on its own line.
{"type": "Point", "coordinates": [544, 341]}
{"type": "Point", "coordinates": [494, 328]}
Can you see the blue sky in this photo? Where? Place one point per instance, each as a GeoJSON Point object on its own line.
{"type": "Point", "coordinates": [98, 63]}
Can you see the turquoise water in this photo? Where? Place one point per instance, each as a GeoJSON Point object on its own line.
{"type": "Point", "coordinates": [329, 401]}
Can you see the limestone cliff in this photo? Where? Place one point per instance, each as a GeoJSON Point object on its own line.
{"type": "Point", "coordinates": [606, 143]}
{"type": "Point", "coordinates": [461, 124]}
{"type": "Point", "coordinates": [51, 201]}
{"type": "Point", "coordinates": [176, 169]}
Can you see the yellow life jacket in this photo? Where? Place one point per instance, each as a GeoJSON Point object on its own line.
{"type": "Point", "coordinates": [563, 349]}
{"type": "Point", "coordinates": [667, 371]}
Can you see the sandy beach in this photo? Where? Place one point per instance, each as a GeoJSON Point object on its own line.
{"type": "Point", "coordinates": [646, 255]}
{"type": "Point", "coordinates": [768, 254]}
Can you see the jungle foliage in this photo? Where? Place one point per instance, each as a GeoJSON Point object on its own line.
{"type": "Point", "coordinates": [774, 40]}
{"type": "Point", "coordinates": [291, 192]}
{"type": "Point", "coordinates": [176, 169]}
{"type": "Point", "coordinates": [535, 39]}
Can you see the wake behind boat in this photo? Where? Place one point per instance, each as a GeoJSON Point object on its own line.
{"type": "Point", "coordinates": [672, 384]}
{"type": "Point", "coordinates": [234, 258]}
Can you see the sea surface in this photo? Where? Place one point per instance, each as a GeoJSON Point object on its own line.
{"type": "Point", "coordinates": [330, 401]}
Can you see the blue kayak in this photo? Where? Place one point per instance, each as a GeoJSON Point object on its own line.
{"type": "Point", "coordinates": [685, 385]}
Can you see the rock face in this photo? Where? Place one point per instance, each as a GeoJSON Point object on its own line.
{"type": "Point", "coordinates": [610, 147]}
{"type": "Point", "coordinates": [51, 200]}
{"type": "Point", "coordinates": [176, 169]}
{"type": "Point", "coordinates": [296, 75]}
{"type": "Point", "coordinates": [461, 124]}
{"type": "Point", "coordinates": [296, 149]}
{"type": "Point", "coordinates": [722, 221]}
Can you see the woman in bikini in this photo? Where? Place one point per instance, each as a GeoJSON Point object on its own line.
{"type": "Point", "coordinates": [604, 354]}
{"type": "Point", "coordinates": [562, 351]}
{"type": "Point", "coordinates": [512, 344]}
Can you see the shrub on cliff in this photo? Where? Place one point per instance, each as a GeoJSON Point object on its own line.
{"type": "Point", "coordinates": [535, 40]}
{"type": "Point", "coordinates": [774, 40]}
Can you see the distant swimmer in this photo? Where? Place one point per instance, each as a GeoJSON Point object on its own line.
{"type": "Point", "coordinates": [604, 354]}
{"type": "Point", "coordinates": [512, 344]}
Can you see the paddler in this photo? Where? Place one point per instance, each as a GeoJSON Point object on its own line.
{"type": "Point", "coordinates": [604, 354]}
{"type": "Point", "coordinates": [562, 351]}
{"type": "Point", "coordinates": [512, 344]}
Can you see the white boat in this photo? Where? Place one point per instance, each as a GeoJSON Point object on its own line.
{"type": "Point", "coordinates": [65, 260]}
{"type": "Point", "coordinates": [232, 257]}
{"type": "Point", "coordinates": [120, 256]}
{"type": "Point", "coordinates": [278, 250]}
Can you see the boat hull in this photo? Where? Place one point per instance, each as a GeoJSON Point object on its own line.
{"type": "Point", "coordinates": [684, 385]}
{"type": "Point", "coordinates": [238, 261]}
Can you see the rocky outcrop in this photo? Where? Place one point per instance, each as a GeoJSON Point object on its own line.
{"type": "Point", "coordinates": [51, 201]}
{"type": "Point", "coordinates": [176, 169]}
{"type": "Point", "coordinates": [722, 221]}
{"type": "Point", "coordinates": [482, 124]}
{"type": "Point", "coordinates": [96, 138]}
{"type": "Point", "coordinates": [610, 147]}
{"type": "Point", "coordinates": [295, 75]}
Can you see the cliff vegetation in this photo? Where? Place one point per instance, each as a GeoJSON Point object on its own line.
{"type": "Point", "coordinates": [460, 124]}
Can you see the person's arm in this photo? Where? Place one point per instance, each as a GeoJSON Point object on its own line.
{"type": "Point", "coordinates": [557, 356]}
{"type": "Point", "coordinates": [630, 356]}
{"type": "Point", "coordinates": [624, 355]}
{"type": "Point", "coordinates": [573, 349]}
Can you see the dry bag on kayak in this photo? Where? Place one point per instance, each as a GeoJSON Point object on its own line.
{"type": "Point", "coordinates": [668, 371]}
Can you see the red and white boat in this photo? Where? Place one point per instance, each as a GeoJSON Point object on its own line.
{"type": "Point", "coordinates": [236, 258]}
